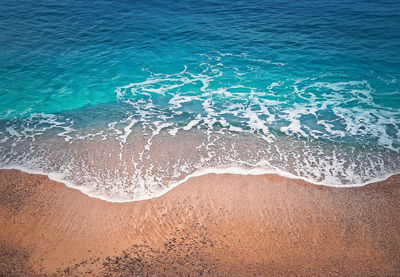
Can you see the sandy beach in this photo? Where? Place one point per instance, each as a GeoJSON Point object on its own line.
{"type": "Point", "coordinates": [215, 225]}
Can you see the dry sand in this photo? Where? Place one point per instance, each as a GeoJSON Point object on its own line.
{"type": "Point", "coordinates": [215, 225]}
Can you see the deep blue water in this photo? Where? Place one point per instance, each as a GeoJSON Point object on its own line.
{"type": "Point", "coordinates": [310, 88]}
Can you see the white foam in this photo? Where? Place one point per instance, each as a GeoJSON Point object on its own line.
{"type": "Point", "coordinates": [127, 130]}
{"type": "Point", "coordinates": [318, 117]}
{"type": "Point", "coordinates": [59, 177]}
{"type": "Point", "coordinates": [173, 131]}
{"type": "Point", "coordinates": [192, 123]}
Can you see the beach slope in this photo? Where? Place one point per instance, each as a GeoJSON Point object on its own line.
{"type": "Point", "coordinates": [214, 225]}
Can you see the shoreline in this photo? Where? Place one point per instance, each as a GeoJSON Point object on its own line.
{"type": "Point", "coordinates": [57, 177]}
{"type": "Point", "coordinates": [225, 225]}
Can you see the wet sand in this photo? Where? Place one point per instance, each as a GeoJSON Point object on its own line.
{"type": "Point", "coordinates": [214, 225]}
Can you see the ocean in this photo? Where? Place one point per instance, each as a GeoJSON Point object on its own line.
{"type": "Point", "coordinates": [125, 100]}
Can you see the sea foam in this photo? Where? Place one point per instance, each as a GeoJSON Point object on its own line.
{"type": "Point", "coordinates": [211, 118]}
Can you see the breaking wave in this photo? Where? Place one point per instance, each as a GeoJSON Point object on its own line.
{"type": "Point", "coordinates": [224, 114]}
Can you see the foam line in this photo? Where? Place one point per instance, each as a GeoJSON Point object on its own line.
{"type": "Point", "coordinates": [58, 177]}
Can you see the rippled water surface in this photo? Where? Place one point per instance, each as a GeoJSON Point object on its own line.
{"type": "Point", "coordinates": [126, 99]}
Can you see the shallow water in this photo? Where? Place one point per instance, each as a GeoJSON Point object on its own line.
{"type": "Point", "coordinates": [125, 99]}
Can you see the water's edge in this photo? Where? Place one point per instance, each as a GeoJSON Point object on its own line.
{"type": "Point", "coordinates": [57, 177]}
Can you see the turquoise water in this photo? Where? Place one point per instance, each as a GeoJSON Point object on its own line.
{"type": "Point", "coordinates": [124, 99]}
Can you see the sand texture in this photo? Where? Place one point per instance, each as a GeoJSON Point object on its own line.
{"type": "Point", "coordinates": [214, 225]}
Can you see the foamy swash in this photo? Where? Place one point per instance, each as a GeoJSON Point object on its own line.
{"type": "Point", "coordinates": [216, 116]}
